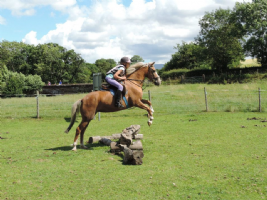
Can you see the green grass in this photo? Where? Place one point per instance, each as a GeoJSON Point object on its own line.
{"type": "Point", "coordinates": [189, 153]}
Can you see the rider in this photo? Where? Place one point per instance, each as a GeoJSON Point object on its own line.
{"type": "Point", "coordinates": [118, 74]}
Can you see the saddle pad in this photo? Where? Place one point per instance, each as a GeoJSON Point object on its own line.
{"type": "Point", "coordinates": [112, 91]}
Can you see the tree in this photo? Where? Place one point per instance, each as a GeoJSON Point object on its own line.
{"type": "Point", "coordinates": [137, 58]}
{"type": "Point", "coordinates": [11, 54]}
{"type": "Point", "coordinates": [104, 65]}
{"type": "Point", "coordinates": [188, 56]}
{"type": "Point", "coordinates": [51, 61]}
{"type": "Point", "coordinates": [252, 17]}
{"type": "Point", "coordinates": [223, 42]}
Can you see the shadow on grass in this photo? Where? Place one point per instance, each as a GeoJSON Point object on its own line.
{"type": "Point", "coordinates": [68, 148]}
{"type": "Point", "coordinates": [67, 119]}
{"type": "Point", "coordinates": [64, 148]}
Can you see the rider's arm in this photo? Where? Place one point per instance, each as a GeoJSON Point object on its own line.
{"type": "Point", "coordinates": [117, 77]}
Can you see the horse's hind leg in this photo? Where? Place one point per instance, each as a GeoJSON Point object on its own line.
{"type": "Point", "coordinates": [79, 129]}
{"type": "Point", "coordinates": [81, 137]}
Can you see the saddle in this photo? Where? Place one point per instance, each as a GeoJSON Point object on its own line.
{"type": "Point", "coordinates": [112, 89]}
{"type": "Point", "coordinates": [108, 87]}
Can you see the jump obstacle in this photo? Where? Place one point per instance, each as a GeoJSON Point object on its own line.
{"type": "Point", "coordinates": [129, 142]}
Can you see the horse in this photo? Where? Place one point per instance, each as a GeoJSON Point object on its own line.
{"type": "Point", "coordinates": [103, 101]}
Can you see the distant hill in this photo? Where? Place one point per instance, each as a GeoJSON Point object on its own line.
{"type": "Point", "coordinates": [158, 66]}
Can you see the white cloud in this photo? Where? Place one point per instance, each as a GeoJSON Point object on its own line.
{"type": "Point", "coordinates": [2, 20]}
{"type": "Point", "coordinates": [30, 38]}
{"type": "Point", "coordinates": [26, 7]}
{"type": "Point", "coordinates": [108, 29]}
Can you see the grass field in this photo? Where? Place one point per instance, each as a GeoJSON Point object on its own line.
{"type": "Point", "coordinates": [189, 153]}
{"type": "Point", "coordinates": [250, 63]}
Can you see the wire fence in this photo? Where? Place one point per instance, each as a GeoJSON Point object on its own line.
{"type": "Point", "coordinates": [178, 100]}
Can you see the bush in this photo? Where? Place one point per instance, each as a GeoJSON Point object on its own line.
{"type": "Point", "coordinates": [18, 83]}
{"type": "Point", "coordinates": [3, 72]}
{"type": "Point", "coordinates": [175, 73]}
{"type": "Point", "coordinates": [14, 83]}
{"type": "Point", "coordinates": [32, 83]}
{"type": "Point", "coordinates": [3, 75]}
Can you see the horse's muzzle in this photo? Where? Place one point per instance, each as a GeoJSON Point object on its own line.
{"type": "Point", "coordinates": [157, 81]}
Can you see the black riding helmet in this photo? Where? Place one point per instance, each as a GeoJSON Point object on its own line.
{"type": "Point", "coordinates": [125, 60]}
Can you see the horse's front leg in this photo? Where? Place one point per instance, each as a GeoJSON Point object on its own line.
{"type": "Point", "coordinates": [149, 111]}
{"type": "Point", "coordinates": [148, 103]}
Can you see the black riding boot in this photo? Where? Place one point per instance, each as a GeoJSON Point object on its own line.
{"type": "Point", "coordinates": [118, 99]}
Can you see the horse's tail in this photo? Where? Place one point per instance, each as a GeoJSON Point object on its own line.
{"type": "Point", "coordinates": [74, 111]}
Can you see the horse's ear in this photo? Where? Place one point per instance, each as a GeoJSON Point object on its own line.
{"type": "Point", "coordinates": [153, 63]}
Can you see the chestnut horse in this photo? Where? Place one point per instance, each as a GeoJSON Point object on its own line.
{"type": "Point", "coordinates": [103, 101]}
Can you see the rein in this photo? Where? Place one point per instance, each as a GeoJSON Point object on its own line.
{"type": "Point", "coordinates": [131, 80]}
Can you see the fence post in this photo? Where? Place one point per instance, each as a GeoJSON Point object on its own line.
{"type": "Point", "coordinates": [203, 78]}
{"type": "Point", "coordinates": [37, 98]}
{"type": "Point", "coordinates": [149, 97]}
{"type": "Point", "coordinates": [259, 99]}
{"type": "Point", "coordinates": [97, 81]}
{"type": "Point", "coordinates": [206, 101]}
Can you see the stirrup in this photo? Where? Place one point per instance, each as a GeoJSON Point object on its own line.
{"type": "Point", "coordinates": [119, 105]}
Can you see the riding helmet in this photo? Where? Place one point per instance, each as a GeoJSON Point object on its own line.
{"type": "Point", "coordinates": [125, 60]}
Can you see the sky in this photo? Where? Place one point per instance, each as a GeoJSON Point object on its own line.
{"type": "Point", "coordinates": [108, 29]}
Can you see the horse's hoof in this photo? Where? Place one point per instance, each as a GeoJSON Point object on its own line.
{"type": "Point", "coordinates": [74, 149]}
{"type": "Point", "coordinates": [149, 123]}
{"type": "Point", "coordinates": [84, 147]}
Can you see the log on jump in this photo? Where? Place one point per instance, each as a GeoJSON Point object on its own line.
{"type": "Point", "coordinates": [95, 139]}
{"type": "Point", "coordinates": [132, 157]}
{"type": "Point", "coordinates": [132, 130]}
{"type": "Point", "coordinates": [125, 139]}
{"type": "Point", "coordinates": [105, 141]}
{"type": "Point", "coordinates": [115, 147]}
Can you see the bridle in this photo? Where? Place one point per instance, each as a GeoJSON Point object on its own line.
{"type": "Point", "coordinates": [142, 81]}
{"type": "Point", "coordinates": [153, 72]}
{"type": "Point", "coordinates": [132, 81]}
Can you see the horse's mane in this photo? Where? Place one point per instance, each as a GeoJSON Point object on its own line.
{"type": "Point", "coordinates": [135, 67]}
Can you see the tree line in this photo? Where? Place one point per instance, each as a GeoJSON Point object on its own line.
{"type": "Point", "coordinates": [25, 68]}
{"type": "Point", "coordinates": [226, 37]}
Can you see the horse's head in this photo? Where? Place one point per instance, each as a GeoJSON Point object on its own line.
{"type": "Point", "coordinates": [153, 75]}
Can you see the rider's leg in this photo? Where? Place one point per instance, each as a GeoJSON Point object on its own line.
{"type": "Point", "coordinates": [119, 91]}
{"type": "Point", "coordinates": [118, 99]}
